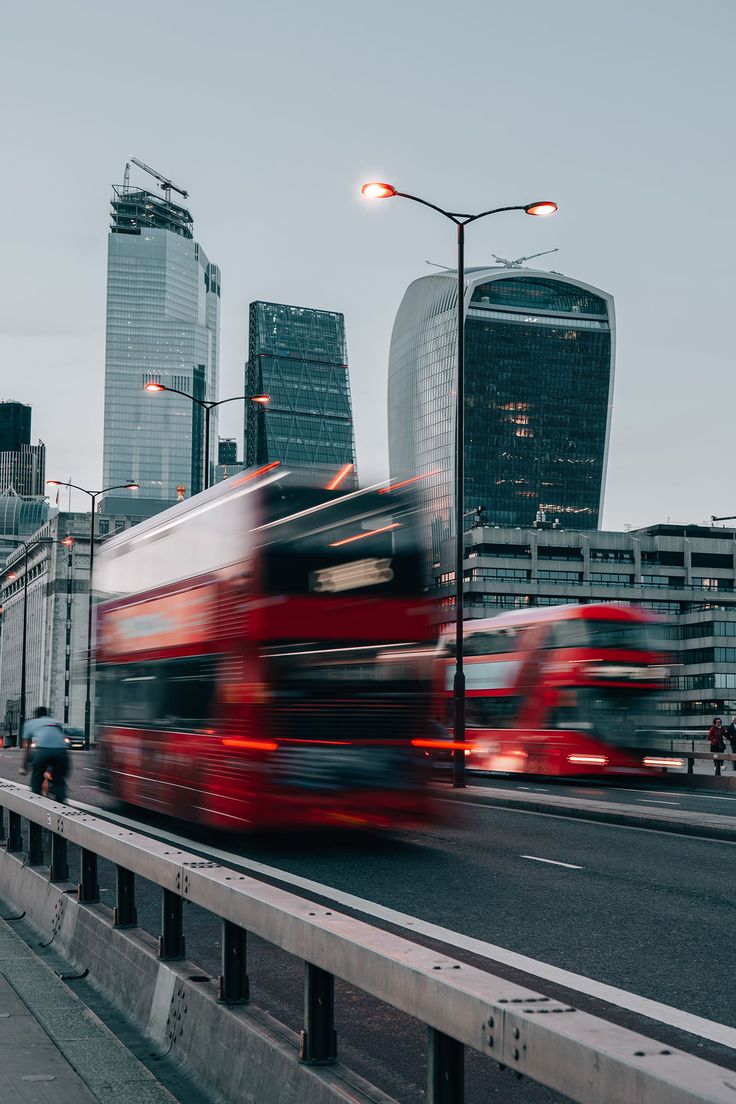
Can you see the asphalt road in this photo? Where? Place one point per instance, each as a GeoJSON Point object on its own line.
{"type": "Point", "coordinates": [671, 792]}
{"type": "Point", "coordinates": [645, 911]}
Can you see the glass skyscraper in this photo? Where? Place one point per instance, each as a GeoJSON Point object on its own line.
{"type": "Point", "coordinates": [163, 320]}
{"type": "Point", "coordinates": [539, 358]}
{"type": "Point", "coordinates": [298, 357]}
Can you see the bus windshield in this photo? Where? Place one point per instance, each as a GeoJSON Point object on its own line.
{"type": "Point", "coordinates": [588, 633]}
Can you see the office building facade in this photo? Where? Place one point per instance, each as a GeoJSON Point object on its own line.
{"type": "Point", "coordinates": [539, 359]}
{"type": "Point", "coordinates": [22, 465]}
{"type": "Point", "coordinates": [15, 425]}
{"type": "Point", "coordinates": [685, 574]}
{"type": "Point", "coordinates": [24, 470]}
{"type": "Point", "coordinates": [298, 357]}
{"type": "Point", "coordinates": [163, 319]}
{"type": "Point", "coordinates": [56, 631]}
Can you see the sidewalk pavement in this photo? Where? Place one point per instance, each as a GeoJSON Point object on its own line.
{"type": "Point", "coordinates": [53, 1049]}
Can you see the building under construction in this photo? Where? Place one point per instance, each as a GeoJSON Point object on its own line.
{"type": "Point", "coordinates": [163, 321]}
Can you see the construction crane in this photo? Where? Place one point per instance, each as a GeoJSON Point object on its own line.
{"type": "Point", "coordinates": [728, 517]}
{"type": "Point", "coordinates": [167, 185]}
{"type": "Point", "coordinates": [520, 260]}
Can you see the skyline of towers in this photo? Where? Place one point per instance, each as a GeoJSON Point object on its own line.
{"type": "Point", "coordinates": [298, 357]}
{"type": "Point", "coordinates": [539, 358]}
{"type": "Point", "coordinates": [163, 311]}
{"type": "Point", "coordinates": [22, 465]}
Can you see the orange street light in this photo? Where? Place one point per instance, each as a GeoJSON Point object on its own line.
{"type": "Point", "coordinates": [542, 208]}
{"type": "Point", "coordinates": [154, 387]}
{"type": "Point", "coordinates": [262, 399]}
{"type": "Point", "coordinates": [376, 189]}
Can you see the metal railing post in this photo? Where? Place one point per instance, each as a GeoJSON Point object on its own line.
{"type": "Point", "coordinates": [15, 839]}
{"type": "Point", "coordinates": [2, 822]}
{"type": "Point", "coordinates": [318, 1040]}
{"type": "Point", "coordinates": [690, 764]}
{"type": "Point", "coordinates": [718, 765]}
{"type": "Point", "coordinates": [234, 983]}
{"type": "Point", "coordinates": [124, 914]}
{"type": "Point", "coordinates": [171, 940]}
{"type": "Point", "coordinates": [445, 1069]}
{"type": "Point", "coordinates": [88, 890]}
{"type": "Point", "coordinates": [35, 844]}
{"type": "Point", "coordinates": [59, 869]}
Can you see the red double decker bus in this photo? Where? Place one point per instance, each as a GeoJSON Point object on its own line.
{"type": "Point", "coordinates": [561, 690]}
{"type": "Point", "coordinates": [264, 658]}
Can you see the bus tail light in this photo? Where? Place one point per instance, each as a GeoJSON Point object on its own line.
{"type": "Point", "coordinates": [662, 761]}
{"type": "Point", "coordinates": [250, 745]}
{"type": "Point", "coordinates": [443, 745]}
{"type": "Point", "coordinates": [588, 760]}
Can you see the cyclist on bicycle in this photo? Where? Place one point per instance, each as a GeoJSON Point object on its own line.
{"type": "Point", "coordinates": [49, 750]}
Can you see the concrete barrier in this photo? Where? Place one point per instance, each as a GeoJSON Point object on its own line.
{"type": "Point", "coordinates": [241, 1053]}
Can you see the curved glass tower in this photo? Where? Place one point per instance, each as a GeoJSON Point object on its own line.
{"type": "Point", "coordinates": [539, 358]}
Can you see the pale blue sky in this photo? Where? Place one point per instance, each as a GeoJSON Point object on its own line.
{"type": "Point", "coordinates": [272, 114]}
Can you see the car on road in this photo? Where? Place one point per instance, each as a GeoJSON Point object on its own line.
{"type": "Point", "coordinates": [73, 738]}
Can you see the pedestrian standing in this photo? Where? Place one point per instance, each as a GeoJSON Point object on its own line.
{"type": "Point", "coordinates": [716, 740]}
{"type": "Point", "coordinates": [49, 750]}
{"type": "Point", "coordinates": [730, 734]}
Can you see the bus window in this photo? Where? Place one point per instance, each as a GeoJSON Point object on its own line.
{"type": "Point", "coordinates": [134, 696]}
{"type": "Point", "coordinates": [569, 634]}
{"type": "Point", "coordinates": [489, 642]}
{"type": "Point", "coordinates": [188, 692]}
{"type": "Point", "coordinates": [492, 712]}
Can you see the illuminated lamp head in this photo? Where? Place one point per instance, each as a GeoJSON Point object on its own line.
{"type": "Point", "coordinates": [376, 189]}
{"type": "Point", "coordinates": [542, 208]}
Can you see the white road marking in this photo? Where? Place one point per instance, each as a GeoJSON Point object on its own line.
{"type": "Point", "coordinates": [655, 801]}
{"type": "Point", "coordinates": [552, 862]}
{"type": "Point", "coordinates": [610, 994]}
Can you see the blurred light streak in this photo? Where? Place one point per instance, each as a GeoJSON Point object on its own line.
{"type": "Point", "coordinates": [362, 536]}
{"type": "Point", "coordinates": [250, 745]}
{"type": "Point", "coordinates": [338, 479]}
{"type": "Point", "coordinates": [406, 482]}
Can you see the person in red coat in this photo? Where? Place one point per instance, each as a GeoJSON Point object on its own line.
{"type": "Point", "coordinates": [716, 740]}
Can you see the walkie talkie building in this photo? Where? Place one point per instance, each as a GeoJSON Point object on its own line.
{"type": "Point", "coordinates": [539, 359]}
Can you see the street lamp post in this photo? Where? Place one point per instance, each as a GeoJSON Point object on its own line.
{"type": "Point", "coordinates": [208, 405]}
{"type": "Point", "coordinates": [381, 190]}
{"type": "Point", "coordinates": [27, 546]}
{"type": "Point", "coordinates": [93, 495]}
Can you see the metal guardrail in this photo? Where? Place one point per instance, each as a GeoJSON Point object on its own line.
{"type": "Point", "coordinates": [716, 757]}
{"type": "Point", "coordinates": [572, 1052]}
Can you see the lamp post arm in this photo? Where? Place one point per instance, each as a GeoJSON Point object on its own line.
{"type": "Point", "coordinates": [493, 211]}
{"type": "Point", "coordinates": [106, 490]}
{"type": "Point", "coordinates": [426, 203]}
{"type": "Point", "coordinates": [175, 390]}
{"type": "Point", "coordinates": [67, 483]}
{"type": "Point", "coordinates": [234, 398]}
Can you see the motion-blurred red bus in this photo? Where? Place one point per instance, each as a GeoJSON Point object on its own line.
{"type": "Point", "coordinates": [561, 690]}
{"type": "Point", "coordinates": [264, 658]}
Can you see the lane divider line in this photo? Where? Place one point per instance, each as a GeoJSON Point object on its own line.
{"type": "Point", "coordinates": [552, 862]}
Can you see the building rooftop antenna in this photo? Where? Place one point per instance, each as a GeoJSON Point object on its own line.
{"type": "Point", "coordinates": [520, 260]}
{"type": "Point", "coordinates": [167, 185]}
{"type": "Point", "coordinates": [435, 265]}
